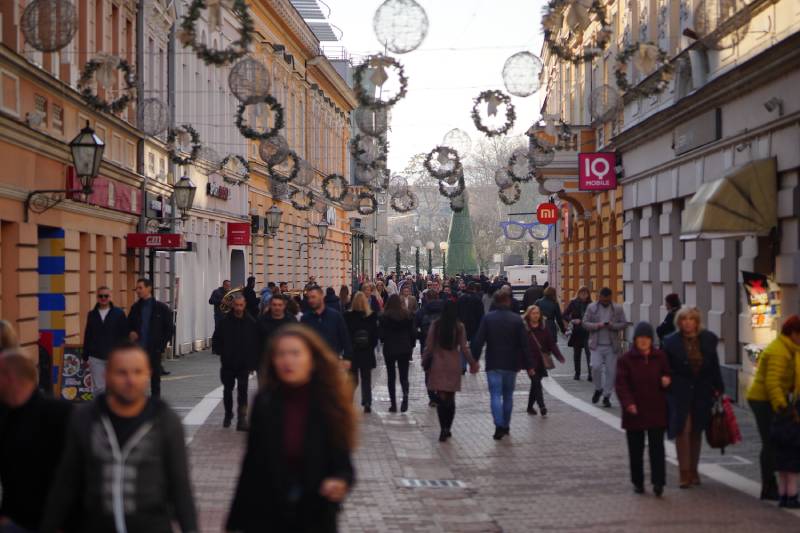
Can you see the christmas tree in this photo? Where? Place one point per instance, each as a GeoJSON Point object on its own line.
{"type": "Point", "coordinates": [461, 254]}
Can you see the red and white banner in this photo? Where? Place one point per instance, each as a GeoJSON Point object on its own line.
{"type": "Point", "coordinates": [168, 241]}
{"type": "Point", "coordinates": [238, 233]}
{"type": "Point", "coordinates": [597, 171]}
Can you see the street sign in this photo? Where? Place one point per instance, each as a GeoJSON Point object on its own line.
{"type": "Point", "coordinates": [238, 233]}
{"type": "Point", "coordinates": [167, 241]}
{"type": "Point", "coordinates": [547, 213]}
{"type": "Point", "coordinates": [597, 171]}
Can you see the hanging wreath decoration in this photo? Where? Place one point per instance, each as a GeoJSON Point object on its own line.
{"type": "Point", "coordinates": [404, 203]}
{"type": "Point", "coordinates": [245, 164]}
{"type": "Point", "coordinates": [512, 163]}
{"type": "Point", "coordinates": [552, 19]}
{"type": "Point", "coordinates": [307, 199]}
{"type": "Point", "coordinates": [357, 151]}
{"type": "Point", "coordinates": [292, 174]}
{"type": "Point", "coordinates": [238, 48]}
{"type": "Point", "coordinates": [326, 187]}
{"type": "Point", "coordinates": [452, 192]}
{"type": "Point", "coordinates": [367, 196]}
{"type": "Point", "coordinates": [446, 157]}
{"type": "Point", "coordinates": [172, 147]}
{"type": "Point", "coordinates": [494, 99]}
{"type": "Point", "coordinates": [458, 204]}
{"type": "Point", "coordinates": [505, 194]}
{"type": "Point", "coordinates": [104, 69]}
{"type": "Point", "coordinates": [379, 76]}
{"type": "Point", "coordinates": [652, 54]}
{"type": "Point", "coordinates": [250, 133]}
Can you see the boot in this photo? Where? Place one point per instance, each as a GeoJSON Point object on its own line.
{"type": "Point", "coordinates": [685, 479]}
{"type": "Point", "coordinates": [241, 420]}
{"type": "Point", "coordinates": [769, 490]}
{"type": "Point", "coordinates": [226, 422]}
{"type": "Point", "coordinates": [404, 404]}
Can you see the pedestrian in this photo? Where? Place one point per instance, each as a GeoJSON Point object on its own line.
{"type": "Point", "coordinates": [330, 325]}
{"type": "Point", "coordinates": [297, 468]}
{"type": "Point", "coordinates": [551, 312]}
{"type": "Point", "coordinates": [344, 297]}
{"type": "Point", "coordinates": [237, 342]}
{"type": "Point", "coordinates": [277, 315]}
{"type": "Point", "coordinates": [150, 324]}
{"type": "Point", "coordinates": [312, 282]}
{"type": "Point", "coordinates": [375, 302]}
{"type": "Point", "coordinates": [8, 337]}
{"type": "Point", "coordinates": [507, 351]}
{"type": "Point", "coordinates": [124, 466]}
{"type": "Point", "coordinates": [396, 331]}
{"type": "Point", "coordinates": [216, 298]}
{"type": "Point", "coordinates": [643, 376]}
{"type": "Point", "coordinates": [604, 320]}
{"type": "Point", "coordinates": [430, 310]}
{"type": "Point", "coordinates": [768, 395]}
{"type": "Point", "coordinates": [283, 287]}
{"type": "Point", "coordinates": [391, 286]}
{"type": "Point", "coordinates": [532, 294]}
{"type": "Point", "coordinates": [32, 435]}
{"type": "Point", "coordinates": [380, 293]}
{"type": "Point", "coordinates": [266, 295]}
{"type": "Point", "coordinates": [250, 298]}
{"type": "Point", "coordinates": [333, 301]}
{"type": "Point", "coordinates": [579, 338]}
{"type": "Point", "coordinates": [293, 306]}
{"type": "Point", "coordinates": [106, 326]}
{"type": "Point", "coordinates": [543, 348]}
{"type": "Point", "coordinates": [362, 326]}
{"type": "Point", "coordinates": [672, 303]}
{"type": "Point", "coordinates": [445, 346]}
{"type": "Point", "coordinates": [407, 299]}
{"type": "Point", "coordinates": [696, 382]}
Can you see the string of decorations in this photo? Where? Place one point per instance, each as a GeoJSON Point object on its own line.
{"type": "Point", "coordinates": [511, 194]}
{"type": "Point", "coordinates": [493, 99]}
{"type": "Point", "coordinates": [330, 185]}
{"type": "Point", "coordinates": [155, 117]}
{"type": "Point", "coordinates": [250, 133]}
{"type": "Point", "coordinates": [448, 162]}
{"type": "Point", "coordinates": [379, 63]}
{"type": "Point", "coordinates": [307, 198]}
{"type": "Point", "coordinates": [404, 203]}
{"type": "Point", "coordinates": [375, 148]}
{"type": "Point", "coordinates": [553, 20]}
{"type": "Point", "coordinates": [176, 137]}
{"type": "Point", "coordinates": [103, 70]}
{"type": "Point", "coordinates": [292, 171]}
{"type": "Point", "coordinates": [650, 56]}
{"type": "Point", "coordinates": [244, 168]}
{"type": "Point", "coordinates": [238, 48]}
{"type": "Point", "coordinates": [371, 203]}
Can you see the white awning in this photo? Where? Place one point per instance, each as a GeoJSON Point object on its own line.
{"type": "Point", "coordinates": [742, 203]}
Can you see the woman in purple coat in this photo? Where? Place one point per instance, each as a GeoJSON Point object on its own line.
{"type": "Point", "coordinates": [642, 378]}
{"type": "Point", "coordinates": [541, 341]}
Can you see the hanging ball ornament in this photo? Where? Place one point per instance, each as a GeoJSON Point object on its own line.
{"type": "Point", "coordinates": [543, 153]}
{"type": "Point", "coordinates": [604, 103]}
{"type": "Point", "coordinates": [155, 117]}
{"type": "Point", "coordinates": [249, 80]}
{"type": "Point", "coordinates": [458, 140]}
{"type": "Point", "coordinates": [305, 174]}
{"type": "Point", "coordinates": [400, 25]}
{"type": "Point", "coordinates": [274, 150]}
{"type": "Point", "coordinates": [49, 25]}
{"type": "Point", "coordinates": [397, 185]}
{"type": "Point", "coordinates": [404, 203]}
{"type": "Point", "coordinates": [372, 121]}
{"type": "Point", "coordinates": [521, 74]}
{"type": "Point", "coordinates": [710, 15]}
{"type": "Point", "coordinates": [501, 178]}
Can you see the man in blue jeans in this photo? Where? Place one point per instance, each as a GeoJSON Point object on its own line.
{"type": "Point", "coordinates": [507, 351]}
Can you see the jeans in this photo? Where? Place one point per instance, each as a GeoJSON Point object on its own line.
{"type": "Point", "coordinates": [366, 384]}
{"type": "Point", "coordinates": [98, 369]}
{"type": "Point", "coordinates": [764, 417]}
{"type": "Point", "coordinates": [391, 375]}
{"type": "Point", "coordinates": [655, 447]}
{"type": "Point", "coordinates": [604, 356]}
{"type": "Point", "coordinates": [230, 378]}
{"type": "Point", "coordinates": [501, 391]}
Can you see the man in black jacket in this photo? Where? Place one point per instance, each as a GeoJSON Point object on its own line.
{"type": "Point", "coordinates": [329, 324]}
{"type": "Point", "coordinates": [215, 300]}
{"type": "Point", "coordinates": [250, 298]}
{"type": "Point", "coordinates": [32, 435]}
{"type": "Point", "coordinates": [124, 466]}
{"type": "Point", "coordinates": [150, 324]}
{"type": "Point", "coordinates": [470, 309]}
{"type": "Point", "coordinates": [236, 341]}
{"type": "Point", "coordinates": [532, 294]}
{"type": "Point", "coordinates": [275, 317]}
{"type": "Point", "coordinates": [106, 326]}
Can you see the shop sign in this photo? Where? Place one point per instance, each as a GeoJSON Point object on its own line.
{"type": "Point", "coordinates": [107, 193]}
{"type": "Point", "coordinates": [696, 132]}
{"type": "Point", "coordinates": [218, 191]}
{"type": "Point", "coordinates": [547, 213]}
{"type": "Point", "coordinates": [168, 241]}
{"type": "Point", "coordinates": [597, 171]}
{"type": "Point", "coordinates": [566, 227]}
{"type": "Point", "coordinates": [238, 233]}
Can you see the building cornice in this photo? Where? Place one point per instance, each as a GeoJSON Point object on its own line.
{"type": "Point", "coordinates": [71, 206]}
{"type": "Point", "coordinates": [288, 16]}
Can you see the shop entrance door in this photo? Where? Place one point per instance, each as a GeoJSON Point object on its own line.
{"type": "Point", "coordinates": [237, 268]}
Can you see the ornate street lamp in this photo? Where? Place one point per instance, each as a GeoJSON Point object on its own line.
{"type": "Point", "coordinates": [273, 220]}
{"type": "Point", "coordinates": [397, 239]}
{"type": "Point", "coordinates": [417, 245]}
{"type": "Point", "coordinates": [430, 246]}
{"type": "Point", "coordinates": [183, 193]}
{"type": "Point", "coordinates": [322, 231]}
{"type": "Point", "coordinates": [443, 247]}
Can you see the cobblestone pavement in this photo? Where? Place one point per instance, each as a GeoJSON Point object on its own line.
{"type": "Point", "coordinates": [567, 472]}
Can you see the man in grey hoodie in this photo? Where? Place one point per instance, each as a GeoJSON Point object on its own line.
{"type": "Point", "coordinates": [604, 320]}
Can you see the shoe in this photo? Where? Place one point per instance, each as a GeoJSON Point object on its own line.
{"type": "Point", "coordinates": [606, 401]}
{"type": "Point", "coordinates": [792, 502]}
{"type": "Point", "coordinates": [695, 478]}
{"type": "Point", "coordinates": [393, 408]}
{"type": "Point", "coordinates": [543, 410]}
{"type": "Point", "coordinates": [367, 409]}
{"type": "Point", "coordinates": [532, 411]}
{"type": "Point", "coordinates": [449, 433]}
{"type": "Point", "coordinates": [443, 435]}
{"type": "Point", "coordinates": [507, 431]}
{"type": "Point", "coordinates": [589, 378]}
{"type": "Point", "coordinates": [638, 489]}
{"type": "Point", "coordinates": [658, 490]}
{"type": "Point", "coordinates": [596, 396]}
{"type": "Point", "coordinates": [241, 419]}
{"type": "Point", "coordinates": [576, 377]}
{"type": "Point", "coordinates": [769, 492]}
{"type": "Point", "coordinates": [498, 433]}
{"type": "Point", "coordinates": [432, 404]}
{"type": "Point", "coordinates": [226, 422]}
{"type": "Point", "coordinates": [404, 405]}
{"type": "Point", "coordinates": [165, 372]}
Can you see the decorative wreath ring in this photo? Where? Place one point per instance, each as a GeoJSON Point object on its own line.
{"type": "Point", "coordinates": [504, 194]}
{"type": "Point", "coordinates": [237, 49]}
{"type": "Point", "coordinates": [326, 183]}
{"type": "Point", "coordinates": [552, 12]}
{"type": "Point", "coordinates": [452, 155]}
{"type": "Point", "coordinates": [368, 100]}
{"type": "Point", "coordinates": [172, 136]}
{"type": "Point", "coordinates": [621, 73]}
{"type": "Point", "coordinates": [256, 135]}
{"type": "Point", "coordinates": [307, 195]}
{"type": "Point", "coordinates": [245, 165]}
{"type": "Point", "coordinates": [356, 151]}
{"type": "Point", "coordinates": [511, 114]}
{"type": "Point", "coordinates": [97, 103]}
{"type": "Point", "coordinates": [273, 174]}
{"type": "Point", "coordinates": [373, 203]}
{"type": "Point", "coordinates": [409, 203]}
{"type": "Point", "coordinates": [527, 177]}
{"type": "Point", "coordinates": [450, 191]}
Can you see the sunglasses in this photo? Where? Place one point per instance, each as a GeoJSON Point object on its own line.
{"type": "Point", "coordinates": [103, 296]}
{"type": "Point", "coordinates": [515, 231]}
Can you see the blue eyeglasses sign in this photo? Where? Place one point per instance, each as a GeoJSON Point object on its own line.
{"type": "Point", "coordinates": [515, 231]}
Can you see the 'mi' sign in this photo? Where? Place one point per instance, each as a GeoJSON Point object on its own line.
{"type": "Point", "coordinates": [597, 171]}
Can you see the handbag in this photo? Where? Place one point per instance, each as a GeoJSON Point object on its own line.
{"type": "Point", "coordinates": [547, 357]}
{"type": "Point", "coordinates": [785, 429]}
{"type": "Point", "coordinates": [718, 434]}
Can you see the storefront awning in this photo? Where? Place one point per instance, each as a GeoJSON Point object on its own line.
{"type": "Point", "coordinates": [742, 203]}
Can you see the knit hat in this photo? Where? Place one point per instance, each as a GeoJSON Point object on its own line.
{"type": "Point", "coordinates": [643, 329]}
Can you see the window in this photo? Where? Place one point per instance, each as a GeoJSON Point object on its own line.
{"type": "Point", "coordinates": [151, 164]}
{"type": "Point", "coordinates": [40, 106]}
{"type": "Point", "coordinates": [58, 118]}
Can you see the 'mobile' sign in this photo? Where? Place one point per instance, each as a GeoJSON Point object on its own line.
{"type": "Point", "coordinates": [597, 171]}
{"type": "Point", "coordinates": [156, 240]}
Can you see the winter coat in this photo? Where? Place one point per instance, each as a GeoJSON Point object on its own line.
{"type": "Point", "coordinates": [398, 336]}
{"type": "Point", "coordinates": [161, 327]}
{"type": "Point", "coordinates": [331, 327]}
{"type": "Point", "coordinates": [102, 335]}
{"type": "Point", "coordinates": [593, 324]}
{"type": "Point", "coordinates": [426, 315]}
{"type": "Point", "coordinates": [666, 327]}
{"type": "Point", "coordinates": [690, 393]}
{"type": "Point", "coordinates": [506, 340]}
{"type": "Point", "coordinates": [551, 313]}
{"type": "Point", "coordinates": [775, 377]}
{"type": "Point", "coordinates": [260, 503]}
{"type": "Point", "coordinates": [158, 493]}
{"type": "Point", "coordinates": [334, 303]}
{"type": "Point", "coordinates": [363, 331]}
{"type": "Point", "coordinates": [470, 313]}
{"type": "Point", "coordinates": [410, 303]}
{"type": "Point", "coordinates": [267, 326]}
{"type": "Point", "coordinates": [575, 311]}
{"type": "Point", "coordinates": [638, 383]}
{"type": "Point", "coordinates": [543, 341]}
{"type": "Point", "coordinates": [532, 295]}
{"type": "Point", "coordinates": [445, 370]}
{"type": "Point", "coordinates": [215, 300]}
{"type": "Point", "coordinates": [251, 301]}
{"type": "Point", "coordinates": [237, 342]}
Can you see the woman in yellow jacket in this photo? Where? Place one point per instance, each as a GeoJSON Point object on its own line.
{"type": "Point", "coordinates": [768, 394]}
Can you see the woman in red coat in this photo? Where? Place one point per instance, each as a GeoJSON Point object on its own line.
{"type": "Point", "coordinates": [642, 377]}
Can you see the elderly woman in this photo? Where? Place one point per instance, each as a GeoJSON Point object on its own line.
{"type": "Point", "coordinates": [696, 382]}
{"type": "Point", "coordinates": [769, 395]}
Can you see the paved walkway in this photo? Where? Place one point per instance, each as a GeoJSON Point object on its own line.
{"type": "Point", "coordinates": [568, 472]}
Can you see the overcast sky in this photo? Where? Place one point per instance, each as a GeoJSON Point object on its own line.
{"type": "Point", "coordinates": [467, 44]}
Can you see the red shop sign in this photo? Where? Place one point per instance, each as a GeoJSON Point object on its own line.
{"type": "Point", "coordinates": [238, 233]}
{"type": "Point", "coordinates": [156, 240]}
{"type": "Point", "coordinates": [547, 213]}
{"type": "Point", "coordinates": [597, 171]}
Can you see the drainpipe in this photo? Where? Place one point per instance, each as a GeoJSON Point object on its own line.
{"type": "Point", "coordinates": [140, 31]}
{"type": "Point", "coordinates": [171, 106]}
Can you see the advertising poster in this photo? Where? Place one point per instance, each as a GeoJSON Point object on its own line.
{"type": "Point", "coordinates": [76, 378]}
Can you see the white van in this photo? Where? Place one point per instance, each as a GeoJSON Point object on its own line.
{"type": "Point", "coordinates": [523, 275]}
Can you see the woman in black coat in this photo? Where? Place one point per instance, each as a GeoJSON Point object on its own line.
{"type": "Point", "coordinates": [579, 339]}
{"type": "Point", "coordinates": [362, 325]}
{"type": "Point", "coordinates": [398, 334]}
{"type": "Point", "coordinates": [696, 382]}
{"type": "Point", "coordinates": [297, 469]}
